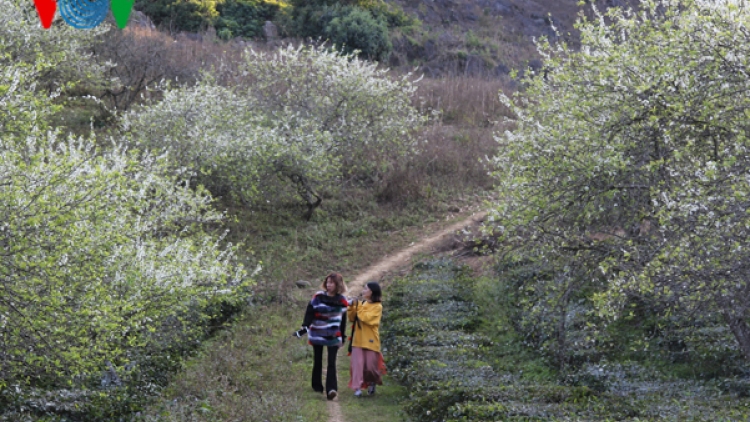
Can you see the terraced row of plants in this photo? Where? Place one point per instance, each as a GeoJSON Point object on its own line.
{"type": "Point", "coordinates": [443, 344]}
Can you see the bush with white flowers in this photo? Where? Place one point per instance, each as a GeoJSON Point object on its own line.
{"type": "Point", "coordinates": [100, 250]}
{"type": "Point", "coordinates": [305, 115]}
{"type": "Point", "coordinates": [627, 176]}
{"type": "Point", "coordinates": [105, 257]}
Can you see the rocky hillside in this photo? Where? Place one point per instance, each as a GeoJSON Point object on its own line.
{"type": "Point", "coordinates": [485, 37]}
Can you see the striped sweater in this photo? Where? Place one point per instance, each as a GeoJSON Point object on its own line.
{"type": "Point", "coordinates": [325, 318]}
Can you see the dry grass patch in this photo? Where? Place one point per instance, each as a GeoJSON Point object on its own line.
{"type": "Point", "coordinates": [464, 101]}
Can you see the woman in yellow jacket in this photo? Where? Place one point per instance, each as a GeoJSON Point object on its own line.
{"type": "Point", "coordinates": [367, 366]}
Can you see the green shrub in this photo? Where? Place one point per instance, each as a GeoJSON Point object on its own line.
{"type": "Point", "coordinates": [491, 374]}
{"type": "Point", "coordinates": [352, 25]}
{"type": "Point", "coordinates": [180, 15]}
{"type": "Point", "coordinates": [243, 18]}
{"type": "Point", "coordinates": [356, 29]}
{"type": "Point", "coordinates": [393, 14]}
{"type": "Point", "coordinates": [348, 27]}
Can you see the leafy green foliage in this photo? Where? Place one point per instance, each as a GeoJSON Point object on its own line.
{"type": "Point", "coordinates": [105, 262]}
{"type": "Point", "coordinates": [348, 27]}
{"type": "Point", "coordinates": [363, 26]}
{"type": "Point", "coordinates": [233, 18]}
{"type": "Point", "coordinates": [626, 172]}
{"type": "Point", "coordinates": [192, 15]}
{"type": "Point", "coordinates": [356, 30]}
{"type": "Point", "coordinates": [86, 245]}
{"type": "Point", "coordinates": [244, 18]}
{"type": "Point", "coordinates": [424, 342]}
{"type": "Point", "coordinates": [181, 15]}
{"type": "Point", "coordinates": [393, 14]}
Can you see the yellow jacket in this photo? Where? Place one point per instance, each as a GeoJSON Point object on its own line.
{"type": "Point", "coordinates": [366, 334]}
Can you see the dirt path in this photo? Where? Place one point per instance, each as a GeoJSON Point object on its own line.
{"type": "Point", "coordinates": [397, 261]}
{"type": "Point", "coordinates": [403, 258]}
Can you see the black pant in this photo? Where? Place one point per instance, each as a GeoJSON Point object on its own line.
{"type": "Point", "coordinates": [317, 376]}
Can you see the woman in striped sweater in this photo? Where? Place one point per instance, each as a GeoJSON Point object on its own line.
{"type": "Point", "coordinates": [325, 323]}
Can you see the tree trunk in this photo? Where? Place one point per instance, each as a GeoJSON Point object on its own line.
{"type": "Point", "coordinates": [741, 331]}
{"type": "Point", "coordinates": [308, 194]}
{"type": "Point", "coordinates": [562, 329]}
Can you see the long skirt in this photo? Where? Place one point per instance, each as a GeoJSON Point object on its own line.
{"type": "Point", "coordinates": [367, 368]}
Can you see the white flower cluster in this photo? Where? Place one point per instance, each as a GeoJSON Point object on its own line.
{"type": "Point", "coordinates": [305, 111]}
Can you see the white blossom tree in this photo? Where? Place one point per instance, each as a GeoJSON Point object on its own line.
{"type": "Point", "coordinates": [99, 250]}
{"type": "Point", "coordinates": [55, 60]}
{"type": "Point", "coordinates": [306, 115]}
{"type": "Point", "coordinates": [628, 169]}
{"type": "Point", "coordinates": [103, 251]}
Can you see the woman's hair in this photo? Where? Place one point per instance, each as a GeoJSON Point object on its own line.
{"type": "Point", "coordinates": [338, 279]}
{"type": "Point", "coordinates": [377, 294]}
